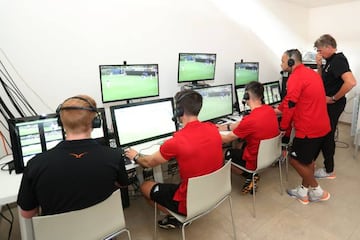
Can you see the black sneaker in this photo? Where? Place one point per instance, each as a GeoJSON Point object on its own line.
{"type": "Point", "coordinates": [169, 222]}
{"type": "Point", "coordinates": [249, 184]}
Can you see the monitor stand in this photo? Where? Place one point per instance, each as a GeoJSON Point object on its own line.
{"type": "Point", "coordinates": [194, 85]}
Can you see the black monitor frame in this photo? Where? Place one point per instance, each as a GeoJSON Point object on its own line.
{"type": "Point", "coordinates": [16, 136]}
{"type": "Point", "coordinates": [252, 65]}
{"type": "Point", "coordinates": [122, 90]}
{"type": "Point", "coordinates": [194, 81]}
{"type": "Point", "coordinates": [114, 122]}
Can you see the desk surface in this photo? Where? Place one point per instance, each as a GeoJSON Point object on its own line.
{"type": "Point", "coordinates": [9, 187]}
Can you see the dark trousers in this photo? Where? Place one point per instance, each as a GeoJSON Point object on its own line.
{"type": "Point", "coordinates": [328, 149]}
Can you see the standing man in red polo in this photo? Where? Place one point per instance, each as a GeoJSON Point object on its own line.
{"type": "Point", "coordinates": [304, 106]}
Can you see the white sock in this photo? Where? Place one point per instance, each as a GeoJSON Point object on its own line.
{"type": "Point", "coordinates": [317, 190]}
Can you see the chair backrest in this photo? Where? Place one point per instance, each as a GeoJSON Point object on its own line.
{"type": "Point", "coordinates": [205, 192]}
{"type": "Point", "coordinates": [269, 152]}
{"type": "Point", "coordinates": [95, 222]}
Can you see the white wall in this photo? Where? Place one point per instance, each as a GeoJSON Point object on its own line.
{"type": "Point", "coordinates": [341, 22]}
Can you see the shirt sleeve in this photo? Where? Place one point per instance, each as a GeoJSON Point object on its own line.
{"type": "Point", "coordinates": [27, 197]}
{"type": "Point", "coordinates": [169, 149]}
{"type": "Point", "coordinates": [290, 101]}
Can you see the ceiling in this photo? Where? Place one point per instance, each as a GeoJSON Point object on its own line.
{"type": "Point", "coordinates": [318, 3]}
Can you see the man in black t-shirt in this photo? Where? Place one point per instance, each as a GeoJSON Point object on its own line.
{"type": "Point", "coordinates": [338, 80]}
{"type": "Point", "coordinates": [78, 172]}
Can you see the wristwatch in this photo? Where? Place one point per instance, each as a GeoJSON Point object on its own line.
{"type": "Point", "coordinates": [228, 127]}
{"type": "Point", "coordinates": [136, 157]}
{"type": "Point", "coordinates": [333, 98]}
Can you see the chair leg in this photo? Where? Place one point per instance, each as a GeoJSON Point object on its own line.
{"type": "Point", "coordinates": [155, 225]}
{"type": "Point", "coordinates": [232, 217]}
{"type": "Point", "coordinates": [253, 179]}
{"type": "Point", "coordinates": [183, 231]}
{"type": "Point", "coordinates": [280, 174]}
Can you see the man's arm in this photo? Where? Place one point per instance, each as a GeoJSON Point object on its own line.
{"type": "Point", "coordinates": [229, 137]}
{"type": "Point", "coordinates": [145, 160]}
{"type": "Point", "coordinates": [29, 213]}
{"type": "Point", "coordinates": [349, 83]}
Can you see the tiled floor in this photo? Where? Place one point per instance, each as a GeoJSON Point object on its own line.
{"type": "Point", "coordinates": [278, 216]}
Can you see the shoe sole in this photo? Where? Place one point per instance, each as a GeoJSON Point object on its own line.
{"type": "Point", "coordinates": [321, 199]}
{"type": "Point", "coordinates": [304, 202]}
{"type": "Point", "coordinates": [167, 227]}
{"type": "Point", "coordinates": [328, 177]}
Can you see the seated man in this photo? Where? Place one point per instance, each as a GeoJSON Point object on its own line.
{"type": "Point", "coordinates": [196, 147]}
{"type": "Point", "coordinates": [260, 124]}
{"type": "Point", "coordinates": [75, 174]}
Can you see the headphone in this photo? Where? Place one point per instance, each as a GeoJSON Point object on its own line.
{"type": "Point", "coordinates": [291, 61]}
{"type": "Point", "coordinates": [179, 110]}
{"type": "Point", "coordinates": [96, 122]}
{"type": "Point", "coordinates": [245, 97]}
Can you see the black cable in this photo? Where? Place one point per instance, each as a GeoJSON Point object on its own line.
{"type": "Point", "coordinates": [12, 100]}
{"type": "Point", "coordinates": [11, 222]}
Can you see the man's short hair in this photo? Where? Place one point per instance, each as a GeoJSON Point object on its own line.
{"type": "Point", "coordinates": [325, 40]}
{"type": "Point", "coordinates": [190, 101]}
{"type": "Point", "coordinates": [294, 54]}
{"type": "Point", "coordinates": [79, 118]}
{"type": "Point", "coordinates": [256, 89]}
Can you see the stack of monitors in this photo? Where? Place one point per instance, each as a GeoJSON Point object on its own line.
{"type": "Point", "coordinates": [272, 93]}
{"type": "Point", "coordinates": [246, 72]}
{"type": "Point", "coordinates": [127, 82]}
{"type": "Point", "coordinates": [217, 102]}
{"type": "Point", "coordinates": [194, 67]}
{"type": "Point", "coordinates": [131, 129]}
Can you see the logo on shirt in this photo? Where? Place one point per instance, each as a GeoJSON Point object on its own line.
{"type": "Point", "coordinates": [78, 155]}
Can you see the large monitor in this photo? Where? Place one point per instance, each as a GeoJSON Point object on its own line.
{"type": "Point", "coordinates": [127, 82]}
{"type": "Point", "coordinates": [32, 135]}
{"type": "Point", "coordinates": [272, 93]}
{"type": "Point", "coordinates": [217, 102]}
{"type": "Point", "coordinates": [239, 92]}
{"type": "Point", "coordinates": [246, 72]}
{"type": "Point", "coordinates": [140, 122]}
{"type": "Point", "coordinates": [194, 67]}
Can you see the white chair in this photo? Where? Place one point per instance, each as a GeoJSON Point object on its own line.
{"type": "Point", "coordinates": [269, 153]}
{"type": "Point", "coordinates": [101, 221]}
{"type": "Point", "coordinates": [204, 194]}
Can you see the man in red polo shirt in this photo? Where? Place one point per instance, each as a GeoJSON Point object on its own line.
{"type": "Point", "coordinates": [260, 124]}
{"type": "Point", "coordinates": [304, 106]}
{"type": "Point", "coordinates": [197, 147]}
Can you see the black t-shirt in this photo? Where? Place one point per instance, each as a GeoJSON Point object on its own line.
{"type": "Point", "coordinates": [335, 66]}
{"type": "Point", "coordinates": [71, 176]}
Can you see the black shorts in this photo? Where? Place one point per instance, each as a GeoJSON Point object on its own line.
{"type": "Point", "coordinates": [305, 150]}
{"type": "Point", "coordinates": [236, 156]}
{"type": "Point", "coordinates": [163, 193]}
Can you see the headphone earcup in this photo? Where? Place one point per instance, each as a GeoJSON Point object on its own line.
{"type": "Point", "coordinates": [96, 123]}
{"type": "Point", "coordinates": [291, 62]}
{"type": "Point", "coordinates": [58, 109]}
{"type": "Point", "coordinates": [178, 112]}
{"type": "Point", "coordinates": [245, 97]}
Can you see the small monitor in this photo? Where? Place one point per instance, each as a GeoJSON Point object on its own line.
{"type": "Point", "coordinates": [194, 67]}
{"type": "Point", "coordinates": [272, 93]}
{"type": "Point", "coordinates": [32, 135]}
{"type": "Point", "coordinates": [127, 82]}
{"type": "Point", "coordinates": [217, 102]}
{"type": "Point", "coordinates": [246, 72]}
{"type": "Point", "coordinates": [140, 122]}
{"type": "Point", "coordinates": [239, 92]}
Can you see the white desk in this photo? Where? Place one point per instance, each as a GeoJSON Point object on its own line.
{"type": "Point", "coordinates": [9, 185]}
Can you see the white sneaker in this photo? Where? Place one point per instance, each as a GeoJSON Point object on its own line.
{"type": "Point", "coordinates": [316, 197]}
{"type": "Point", "coordinates": [321, 173]}
{"type": "Point", "coordinates": [300, 193]}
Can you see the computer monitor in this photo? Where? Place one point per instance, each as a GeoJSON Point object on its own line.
{"type": "Point", "coordinates": [246, 72]}
{"type": "Point", "coordinates": [217, 102]}
{"type": "Point", "coordinates": [272, 93]}
{"type": "Point", "coordinates": [194, 67]}
{"type": "Point", "coordinates": [140, 122]}
{"type": "Point", "coordinates": [127, 82]}
{"type": "Point", "coordinates": [32, 135]}
{"type": "Point", "coordinates": [239, 92]}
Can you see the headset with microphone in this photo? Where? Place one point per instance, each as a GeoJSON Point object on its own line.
{"type": "Point", "coordinates": [96, 122]}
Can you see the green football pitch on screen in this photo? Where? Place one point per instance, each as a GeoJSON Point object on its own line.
{"type": "Point", "coordinates": [191, 70]}
{"type": "Point", "coordinates": [244, 76]}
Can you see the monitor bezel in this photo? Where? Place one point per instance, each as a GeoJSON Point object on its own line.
{"type": "Point", "coordinates": [232, 99]}
{"type": "Point", "coordinates": [237, 99]}
{"type": "Point", "coordinates": [195, 81]}
{"type": "Point", "coordinates": [236, 63]}
{"type": "Point", "coordinates": [128, 65]}
{"type": "Point", "coordinates": [116, 135]}
{"type": "Point", "coordinates": [279, 88]}
{"type": "Point", "coordinates": [16, 146]}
